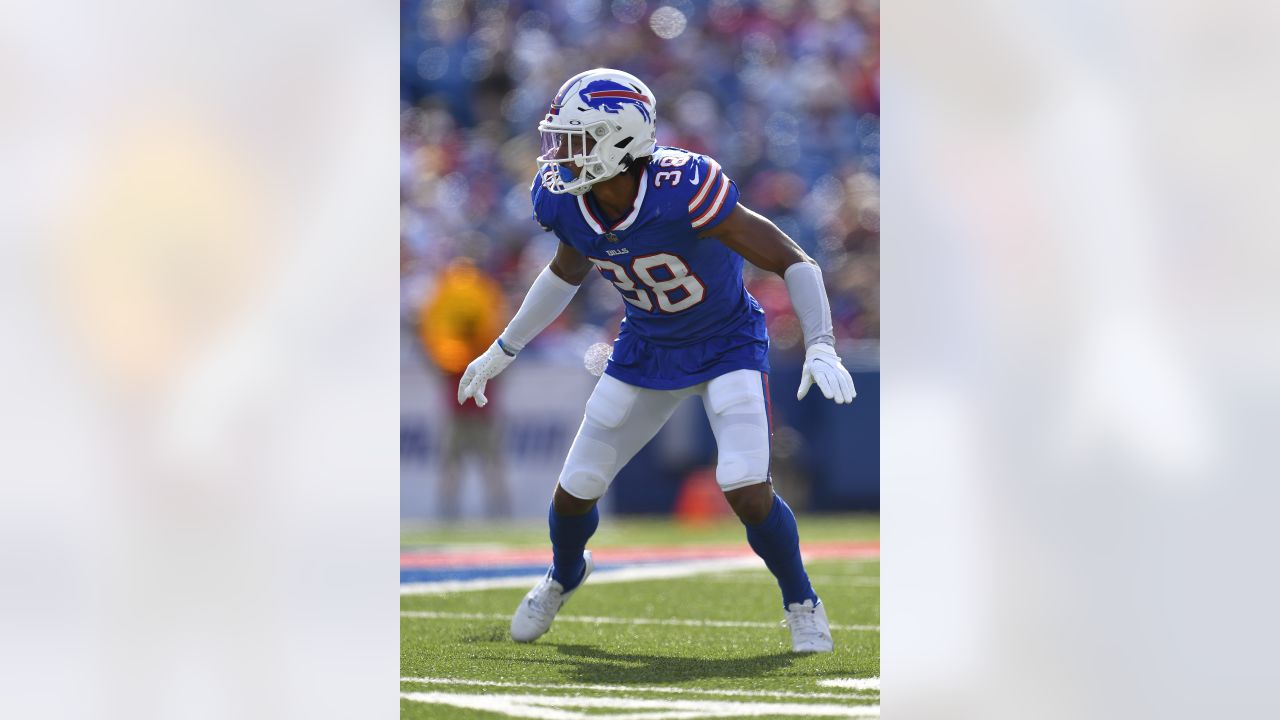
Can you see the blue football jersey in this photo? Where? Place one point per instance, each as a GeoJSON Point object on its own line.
{"type": "Point", "coordinates": [689, 317]}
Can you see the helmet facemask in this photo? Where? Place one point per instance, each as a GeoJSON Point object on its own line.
{"type": "Point", "coordinates": [577, 157]}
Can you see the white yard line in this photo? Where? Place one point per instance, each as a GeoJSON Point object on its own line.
{"type": "Point", "coordinates": [852, 683]}
{"type": "Point", "coordinates": [642, 688]}
{"type": "Point", "coordinates": [626, 574]}
{"type": "Point", "coordinates": [502, 705]}
{"type": "Point", "coordinates": [434, 615]}
{"type": "Point", "coordinates": [549, 707]}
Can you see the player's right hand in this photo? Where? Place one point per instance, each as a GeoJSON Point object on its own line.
{"type": "Point", "coordinates": [480, 371]}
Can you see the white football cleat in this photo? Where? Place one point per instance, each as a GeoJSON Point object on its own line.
{"type": "Point", "coordinates": [539, 607]}
{"type": "Point", "coordinates": [810, 631]}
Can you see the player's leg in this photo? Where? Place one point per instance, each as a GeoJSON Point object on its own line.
{"type": "Point", "coordinates": [739, 414]}
{"type": "Point", "coordinates": [737, 406]}
{"type": "Point", "coordinates": [619, 420]}
{"type": "Point", "coordinates": [775, 537]}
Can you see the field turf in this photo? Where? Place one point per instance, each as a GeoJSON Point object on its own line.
{"type": "Point", "coordinates": [707, 645]}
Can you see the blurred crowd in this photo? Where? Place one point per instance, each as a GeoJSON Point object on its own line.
{"type": "Point", "coordinates": [784, 94]}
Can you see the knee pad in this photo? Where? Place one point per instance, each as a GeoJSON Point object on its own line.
{"type": "Point", "coordinates": [589, 468]}
{"type": "Point", "coordinates": [743, 457]}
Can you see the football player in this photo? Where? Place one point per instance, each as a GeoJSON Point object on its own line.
{"type": "Point", "coordinates": [664, 225]}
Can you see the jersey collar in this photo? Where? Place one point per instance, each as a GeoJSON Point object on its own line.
{"type": "Point", "coordinates": [596, 224]}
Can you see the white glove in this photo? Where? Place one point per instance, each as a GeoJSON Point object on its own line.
{"type": "Point", "coordinates": [822, 365]}
{"type": "Point", "coordinates": [480, 371]}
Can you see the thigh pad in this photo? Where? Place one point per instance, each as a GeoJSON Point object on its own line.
{"type": "Point", "coordinates": [611, 402]}
{"type": "Point", "coordinates": [738, 392]}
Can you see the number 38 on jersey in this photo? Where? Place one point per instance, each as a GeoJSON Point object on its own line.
{"type": "Point", "coordinates": [665, 278]}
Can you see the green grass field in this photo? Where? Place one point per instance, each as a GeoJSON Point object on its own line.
{"type": "Point", "coordinates": [707, 645]}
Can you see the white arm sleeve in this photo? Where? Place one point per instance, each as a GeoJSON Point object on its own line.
{"type": "Point", "coordinates": [809, 298]}
{"type": "Point", "coordinates": [546, 299]}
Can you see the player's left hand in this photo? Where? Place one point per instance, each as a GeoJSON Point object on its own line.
{"type": "Point", "coordinates": [822, 366]}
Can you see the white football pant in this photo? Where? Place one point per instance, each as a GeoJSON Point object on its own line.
{"type": "Point", "coordinates": [620, 419]}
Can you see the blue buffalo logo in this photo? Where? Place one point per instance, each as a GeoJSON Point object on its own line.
{"type": "Point", "coordinates": [610, 96]}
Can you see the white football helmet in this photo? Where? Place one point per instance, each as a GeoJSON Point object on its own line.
{"type": "Point", "coordinates": [600, 122]}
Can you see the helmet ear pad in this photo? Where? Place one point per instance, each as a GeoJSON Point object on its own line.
{"type": "Point", "coordinates": [627, 145]}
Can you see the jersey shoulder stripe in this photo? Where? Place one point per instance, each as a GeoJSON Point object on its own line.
{"type": "Point", "coordinates": [714, 208]}
{"type": "Point", "coordinates": [713, 174]}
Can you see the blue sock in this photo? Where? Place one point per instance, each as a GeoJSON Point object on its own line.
{"type": "Point", "coordinates": [569, 535]}
{"type": "Point", "coordinates": [777, 542]}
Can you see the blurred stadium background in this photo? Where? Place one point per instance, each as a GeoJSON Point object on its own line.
{"type": "Point", "coordinates": [784, 94]}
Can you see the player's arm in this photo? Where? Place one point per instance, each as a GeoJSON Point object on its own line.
{"type": "Point", "coordinates": [549, 295]}
{"type": "Point", "coordinates": [755, 238]}
{"type": "Point", "coordinates": [570, 265]}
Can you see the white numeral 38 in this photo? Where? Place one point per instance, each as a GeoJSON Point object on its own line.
{"type": "Point", "coordinates": [643, 267]}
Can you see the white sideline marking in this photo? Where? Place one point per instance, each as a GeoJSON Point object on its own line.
{"type": "Point", "coordinates": [635, 689]}
{"type": "Point", "coordinates": [626, 574]}
{"type": "Point", "coordinates": [852, 683]}
{"type": "Point", "coordinates": [433, 615]}
{"type": "Point", "coordinates": [548, 707]}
